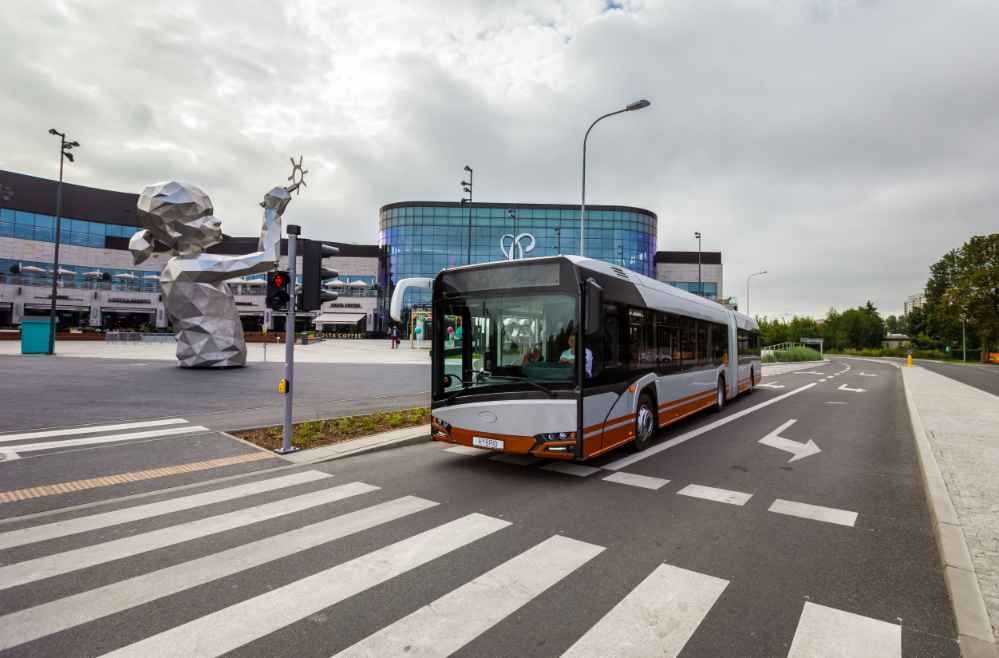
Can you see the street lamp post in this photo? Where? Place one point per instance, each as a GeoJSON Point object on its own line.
{"type": "Point", "coordinates": [700, 290]}
{"type": "Point", "coordinates": [468, 188]}
{"type": "Point", "coordinates": [63, 154]}
{"type": "Point", "coordinates": [620, 253]}
{"type": "Point", "coordinates": [747, 289]}
{"type": "Point", "coordinates": [558, 236]}
{"type": "Point", "coordinates": [637, 105]}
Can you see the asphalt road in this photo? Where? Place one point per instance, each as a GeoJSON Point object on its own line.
{"type": "Point", "coordinates": [40, 392]}
{"type": "Point", "coordinates": [983, 377]}
{"type": "Point", "coordinates": [546, 562]}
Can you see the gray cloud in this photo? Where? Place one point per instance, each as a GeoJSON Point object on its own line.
{"type": "Point", "coordinates": [842, 146]}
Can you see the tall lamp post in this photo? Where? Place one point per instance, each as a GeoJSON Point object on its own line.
{"type": "Point", "coordinates": [700, 290]}
{"type": "Point", "coordinates": [63, 154]}
{"type": "Point", "coordinates": [558, 237]}
{"type": "Point", "coordinates": [468, 188]}
{"type": "Point", "coordinates": [747, 289]}
{"type": "Point", "coordinates": [620, 253]}
{"type": "Point", "coordinates": [637, 105]}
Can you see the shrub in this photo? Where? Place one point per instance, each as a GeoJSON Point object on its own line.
{"type": "Point", "coordinates": [792, 355]}
{"type": "Point", "coordinates": [395, 419]}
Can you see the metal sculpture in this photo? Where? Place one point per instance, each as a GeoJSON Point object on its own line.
{"type": "Point", "coordinates": [516, 244]}
{"type": "Point", "coordinates": [197, 300]}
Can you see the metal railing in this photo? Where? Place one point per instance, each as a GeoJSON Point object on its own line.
{"type": "Point", "coordinates": [781, 347]}
{"type": "Point", "coordinates": [137, 337]}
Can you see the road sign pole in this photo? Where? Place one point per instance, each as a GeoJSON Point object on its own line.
{"type": "Point", "coordinates": [289, 335]}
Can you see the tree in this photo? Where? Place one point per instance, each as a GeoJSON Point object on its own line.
{"type": "Point", "coordinates": [894, 324]}
{"type": "Point", "coordinates": [974, 291]}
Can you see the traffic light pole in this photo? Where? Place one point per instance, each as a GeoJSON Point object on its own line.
{"type": "Point", "coordinates": [289, 339]}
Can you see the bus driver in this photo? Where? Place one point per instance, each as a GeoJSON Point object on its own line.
{"type": "Point", "coordinates": [569, 356]}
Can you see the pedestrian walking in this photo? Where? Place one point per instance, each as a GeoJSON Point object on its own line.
{"type": "Point", "coordinates": [395, 337]}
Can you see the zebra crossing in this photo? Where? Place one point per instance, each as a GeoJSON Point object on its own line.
{"type": "Point", "coordinates": [14, 444]}
{"type": "Point", "coordinates": [656, 618]}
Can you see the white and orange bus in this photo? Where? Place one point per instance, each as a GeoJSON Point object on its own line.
{"type": "Point", "coordinates": [567, 357]}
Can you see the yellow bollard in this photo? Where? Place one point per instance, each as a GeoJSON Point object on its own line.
{"type": "Point", "coordinates": [910, 360]}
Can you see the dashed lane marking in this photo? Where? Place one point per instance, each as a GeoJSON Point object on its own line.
{"type": "Point", "coordinates": [814, 512]}
{"type": "Point", "coordinates": [513, 458]}
{"type": "Point", "coordinates": [570, 469]}
{"type": "Point", "coordinates": [717, 495]}
{"type": "Point", "coordinates": [93, 483]}
{"type": "Point", "coordinates": [465, 450]}
{"type": "Point", "coordinates": [636, 480]}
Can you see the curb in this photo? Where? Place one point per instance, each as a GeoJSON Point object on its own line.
{"type": "Point", "coordinates": [975, 635]}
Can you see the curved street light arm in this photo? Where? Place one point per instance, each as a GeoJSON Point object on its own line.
{"type": "Point", "coordinates": [582, 212]}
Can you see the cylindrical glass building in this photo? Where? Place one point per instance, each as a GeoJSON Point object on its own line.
{"type": "Point", "coordinates": [421, 238]}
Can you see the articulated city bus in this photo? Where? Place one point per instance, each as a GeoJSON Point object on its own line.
{"type": "Point", "coordinates": [567, 357]}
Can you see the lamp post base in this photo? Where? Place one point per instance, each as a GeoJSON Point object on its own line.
{"type": "Point", "coordinates": [282, 451]}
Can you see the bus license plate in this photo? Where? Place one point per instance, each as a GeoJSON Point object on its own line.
{"type": "Point", "coordinates": [491, 444]}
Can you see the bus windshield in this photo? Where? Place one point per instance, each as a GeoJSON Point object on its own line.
{"type": "Point", "coordinates": [492, 342]}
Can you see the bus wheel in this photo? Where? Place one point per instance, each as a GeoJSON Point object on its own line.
{"type": "Point", "coordinates": [645, 424]}
{"type": "Point", "coordinates": [720, 402]}
{"type": "Point", "coordinates": [752, 383]}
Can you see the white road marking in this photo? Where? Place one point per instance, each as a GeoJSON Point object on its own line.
{"type": "Point", "coordinates": [30, 571]}
{"type": "Point", "coordinates": [853, 390]}
{"type": "Point", "coordinates": [90, 429]}
{"type": "Point", "coordinates": [636, 480]}
{"type": "Point", "coordinates": [837, 403]}
{"type": "Point", "coordinates": [107, 519]}
{"type": "Point", "coordinates": [570, 468]}
{"type": "Point", "coordinates": [513, 458]}
{"type": "Point", "coordinates": [829, 633]}
{"type": "Point", "coordinates": [466, 450]}
{"type": "Point", "coordinates": [828, 514]}
{"type": "Point", "coordinates": [638, 456]}
{"type": "Point", "coordinates": [807, 372]}
{"type": "Point", "coordinates": [773, 385]}
{"type": "Point", "coordinates": [864, 374]}
{"type": "Point", "coordinates": [452, 621]}
{"type": "Point", "coordinates": [799, 450]}
{"type": "Point", "coordinates": [655, 620]}
{"type": "Point", "coordinates": [719, 495]}
{"type": "Point", "coordinates": [33, 623]}
{"type": "Point", "coordinates": [237, 625]}
{"type": "Point", "coordinates": [111, 438]}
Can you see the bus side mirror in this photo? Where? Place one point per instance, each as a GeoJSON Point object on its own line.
{"type": "Point", "coordinates": [594, 304]}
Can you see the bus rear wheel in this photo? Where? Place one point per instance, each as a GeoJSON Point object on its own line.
{"type": "Point", "coordinates": [645, 424]}
{"type": "Point", "coordinates": [720, 402]}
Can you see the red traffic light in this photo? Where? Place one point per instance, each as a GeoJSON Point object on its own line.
{"type": "Point", "coordinates": [278, 280]}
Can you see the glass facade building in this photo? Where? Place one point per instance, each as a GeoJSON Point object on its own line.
{"type": "Point", "coordinates": [421, 238]}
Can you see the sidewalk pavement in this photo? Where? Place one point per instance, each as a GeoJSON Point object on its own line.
{"type": "Point", "coordinates": [961, 426]}
{"type": "Point", "coordinates": [328, 351]}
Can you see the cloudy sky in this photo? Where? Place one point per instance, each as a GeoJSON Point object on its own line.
{"type": "Point", "coordinates": [841, 145]}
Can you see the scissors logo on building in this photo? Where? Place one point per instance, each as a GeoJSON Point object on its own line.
{"type": "Point", "coordinates": [516, 244]}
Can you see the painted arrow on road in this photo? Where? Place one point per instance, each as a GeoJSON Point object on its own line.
{"type": "Point", "coordinates": [799, 450]}
{"type": "Point", "coordinates": [855, 390]}
{"type": "Point", "coordinates": [771, 385]}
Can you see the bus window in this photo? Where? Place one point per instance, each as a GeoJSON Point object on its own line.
{"type": "Point", "coordinates": [667, 344]}
{"type": "Point", "coordinates": [702, 343]}
{"type": "Point", "coordinates": [688, 343]}
{"type": "Point", "coordinates": [641, 351]}
{"type": "Point", "coordinates": [719, 343]}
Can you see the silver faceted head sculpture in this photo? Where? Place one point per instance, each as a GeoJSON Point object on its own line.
{"type": "Point", "coordinates": [197, 300]}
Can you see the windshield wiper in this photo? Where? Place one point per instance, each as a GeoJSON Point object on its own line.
{"type": "Point", "coordinates": [536, 385]}
{"type": "Point", "coordinates": [466, 388]}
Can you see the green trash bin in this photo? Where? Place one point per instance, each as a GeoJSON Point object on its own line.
{"type": "Point", "coordinates": [35, 334]}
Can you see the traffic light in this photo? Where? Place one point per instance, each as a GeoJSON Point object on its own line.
{"type": "Point", "coordinates": [313, 275]}
{"type": "Point", "coordinates": [277, 291]}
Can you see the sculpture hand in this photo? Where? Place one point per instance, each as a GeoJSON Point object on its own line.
{"type": "Point", "coordinates": [141, 246]}
{"type": "Point", "coordinates": [277, 200]}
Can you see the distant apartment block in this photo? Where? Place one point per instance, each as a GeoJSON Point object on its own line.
{"type": "Point", "coordinates": [914, 301]}
{"type": "Point", "coordinates": [679, 269]}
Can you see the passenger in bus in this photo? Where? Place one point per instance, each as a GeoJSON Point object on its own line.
{"type": "Point", "coordinates": [569, 356]}
{"type": "Point", "coordinates": [536, 357]}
